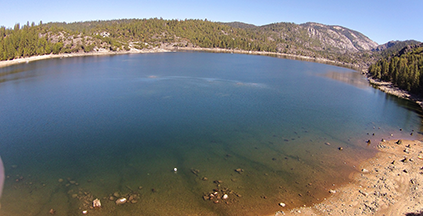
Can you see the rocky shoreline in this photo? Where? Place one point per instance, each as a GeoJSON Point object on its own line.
{"type": "Point", "coordinates": [388, 184]}
{"type": "Point", "coordinates": [389, 88]}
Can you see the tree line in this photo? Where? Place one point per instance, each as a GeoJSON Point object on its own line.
{"type": "Point", "coordinates": [23, 42]}
{"type": "Point", "coordinates": [30, 40]}
{"type": "Point", "coordinates": [53, 38]}
{"type": "Point", "coordinates": [404, 69]}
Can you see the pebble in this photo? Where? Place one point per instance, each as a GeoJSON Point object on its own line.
{"type": "Point", "coordinates": [85, 212]}
{"type": "Point", "coordinates": [282, 204]}
{"type": "Point", "coordinates": [60, 180]}
{"type": "Point", "coordinates": [365, 170]}
{"type": "Point", "coordinates": [362, 192]}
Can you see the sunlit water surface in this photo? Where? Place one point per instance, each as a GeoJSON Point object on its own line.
{"type": "Point", "coordinates": [262, 130]}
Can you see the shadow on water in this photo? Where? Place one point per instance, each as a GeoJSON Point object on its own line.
{"type": "Point", "coordinates": [358, 80]}
{"type": "Point", "coordinates": [352, 78]}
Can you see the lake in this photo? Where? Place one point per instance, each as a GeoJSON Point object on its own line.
{"type": "Point", "coordinates": [167, 130]}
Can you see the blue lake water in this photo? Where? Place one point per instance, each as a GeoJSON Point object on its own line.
{"type": "Point", "coordinates": [260, 129]}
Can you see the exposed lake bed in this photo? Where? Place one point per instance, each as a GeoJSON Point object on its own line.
{"type": "Point", "coordinates": [388, 184]}
{"type": "Point", "coordinates": [260, 130]}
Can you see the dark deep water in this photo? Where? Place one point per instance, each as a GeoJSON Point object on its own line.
{"type": "Point", "coordinates": [118, 123]}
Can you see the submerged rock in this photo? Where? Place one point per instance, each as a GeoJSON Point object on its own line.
{"type": "Point", "coordinates": [121, 201]}
{"type": "Point", "coordinates": [239, 170]}
{"type": "Point", "coordinates": [195, 171]}
{"type": "Point", "coordinates": [97, 203]}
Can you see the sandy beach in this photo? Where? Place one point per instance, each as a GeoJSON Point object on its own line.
{"type": "Point", "coordinates": [388, 184]}
{"type": "Point", "coordinates": [69, 55]}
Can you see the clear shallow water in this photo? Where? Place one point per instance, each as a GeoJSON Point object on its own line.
{"type": "Point", "coordinates": [115, 123]}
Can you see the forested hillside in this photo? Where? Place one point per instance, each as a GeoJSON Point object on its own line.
{"type": "Point", "coordinates": [310, 39]}
{"type": "Point", "coordinates": [23, 42]}
{"type": "Point", "coordinates": [404, 69]}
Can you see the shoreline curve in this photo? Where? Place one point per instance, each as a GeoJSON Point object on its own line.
{"type": "Point", "coordinates": [388, 184]}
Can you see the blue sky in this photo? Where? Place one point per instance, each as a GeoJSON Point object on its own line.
{"type": "Point", "coordinates": [380, 20]}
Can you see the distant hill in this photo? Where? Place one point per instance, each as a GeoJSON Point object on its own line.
{"type": "Point", "coordinates": [392, 47]}
{"type": "Point", "coordinates": [319, 37]}
{"type": "Point", "coordinates": [239, 25]}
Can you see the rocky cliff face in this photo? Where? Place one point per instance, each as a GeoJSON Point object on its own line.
{"type": "Point", "coordinates": [336, 37]}
{"type": "Point", "coordinates": [316, 37]}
